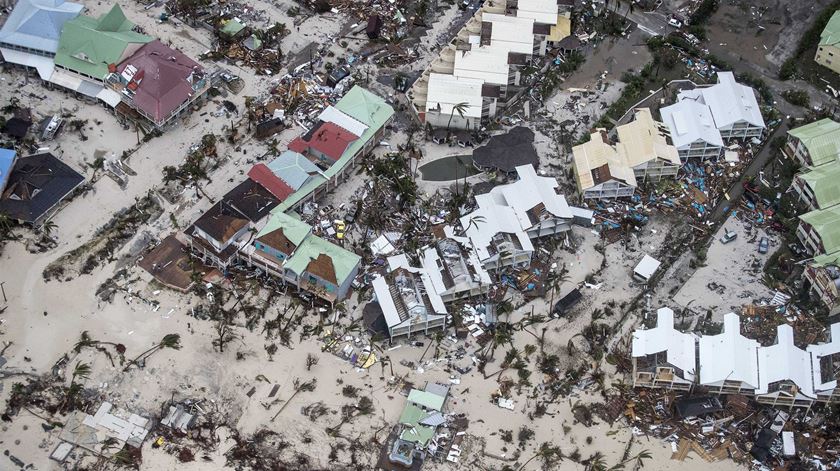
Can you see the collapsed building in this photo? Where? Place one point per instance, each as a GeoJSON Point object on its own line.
{"type": "Point", "coordinates": [780, 375]}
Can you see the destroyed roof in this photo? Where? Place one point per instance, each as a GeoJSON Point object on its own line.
{"type": "Point", "coordinates": [729, 101]}
{"type": "Point", "coordinates": [830, 35]}
{"type": "Point", "coordinates": [263, 175]}
{"type": "Point", "coordinates": [36, 24]}
{"type": "Point", "coordinates": [312, 248]}
{"type": "Point", "coordinates": [505, 152]}
{"type": "Point", "coordinates": [528, 193]}
{"type": "Point", "coordinates": [690, 121]}
{"type": "Point", "coordinates": [247, 202]}
{"type": "Point", "coordinates": [415, 432]}
{"type": "Point", "coordinates": [88, 45]}
{"type": "Point", "coordinates": [490, 219]}
{"type": "Point", "coordinates": [406, 293]}
{"type": "Point", "coordinates": [821, 139]}
{"type": "Point", "coordinates": [36, 184]}
{"type": "Point", "coordinates": [453, 266]}
{"type": "Point", "coordinates": [784, 361]}
{"type": "Point", "coordinates": [482, 63]}
{"type": "Point", "coordinates": [232, 27]}
{"type": "Point", "coordinates": [679, 347]}
{"type": "Point", "coordinates": [541, 11]}
{"type": "Point", "coordinates": [8, 157]}
{"type": "Point", "coordinates": [597, 161]}
{"type": "Point", "coordinates": [823, 182]}
{"type": "Point", "coordinates": [447, 91]}
{"type": "Point", "coordinates": [292, 228]}
{"type": "Point", "coordinates": [728, 356]}
{"type": "Point", "coordinates": [825, 381]}
{"type": "Point", "coordinates": [826, 222]}
{"type": "Point", "coordinates": [426, 399]}
{"type": "Point", "coordinates": [562, 31]}
{"type": "Point", "coordinates": [643, 140]}
{"type": "Point", "coordinates": [165, 78]}
{"type": "Point", "coordinates": [364, 107]}
{"type": "Point", "coordinates": [331, 114]}
{"type": "Point", "coordinates": [326, 138]}
{"type": "Point", "coordinates": [510, 34]}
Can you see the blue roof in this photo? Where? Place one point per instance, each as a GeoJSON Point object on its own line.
{"type": "Point", "coordinates": [293, 168]}
{"type": "Point", "coordinates": [7, 163]}
{"type": "Point", "coordinates": [37, 24]}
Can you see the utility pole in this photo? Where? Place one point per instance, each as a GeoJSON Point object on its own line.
{"type": "Point", "coordinates": [3, 290]}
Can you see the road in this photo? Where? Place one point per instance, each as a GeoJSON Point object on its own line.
{"type": "Point", "coordinates": [758, 163]}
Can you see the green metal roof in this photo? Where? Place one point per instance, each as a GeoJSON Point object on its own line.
{"type": "Point", "coordinates": [824, 181]}
{"type": "Point", "coordinates": [232, 27]}
{"type": "Point", "coordinates": [415, 432]}
{"type": "Point", "coordinates": [821, 138]}
{"type": "Point", "coordinates": [426, 399]}
{"type": "Point", "coordinates": [363, 106]}
{"type": "Point", "coordinates": [294, 229]}
{"type": "Point", "coordinates": [826, 222]}
{"type": "Point", "coordinates": [827, 259]}
{"type": "Point", "coordinates": [87, 45]}
{"type": "Point", "coordinates": [344, 261]}
{"type": "Point", "coordinates": [831, 33]}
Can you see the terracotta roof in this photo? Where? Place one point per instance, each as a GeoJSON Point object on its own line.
{"type": "Point", "coordinates": [168, 78]}
{"type": "Point", "coordinates": [263, 175]}
{"type": "Point", "coordinates": [327, 138]}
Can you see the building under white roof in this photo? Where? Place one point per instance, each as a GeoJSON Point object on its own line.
{"type": "Point", "coordinates": [825, 362]}
{"type": "Point", "coordinates": [689, 122]}
{"type": "Point", "coordinates": [733, 106]}
{"type": "Point", "coordinates": [784, 362]}
{"type": "Point", "coordinates": [510, 33]}
{"type": "Point", "coordinates": [729, 356]}
{"type": "Point", "coordinates": [454, 268]}
{"type": "Point", "coordinates": [446, 91]}
{"type": "Point", "coordinates": [531, 193]}
{"type": "Point", "coordinates": [678, 346]}
{"type": "Point", "coordinates": [408, 299]}
{"type": "Point", "coordinates": [483, 63]}
{"type": "Point", "coordinates": [493, 225]}
{"type": "Point", "coordinates": [333, 115]}
{"type": "Point", "coordinates": [541, 11]}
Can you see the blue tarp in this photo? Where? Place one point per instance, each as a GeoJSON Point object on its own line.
{"type": "Point", "coordinates": [7, 163]}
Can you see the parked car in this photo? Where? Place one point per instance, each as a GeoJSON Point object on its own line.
{"type": "Point", "coordinates": [763, 245]}
{"type": "Point", "coordinates": [728, 236]}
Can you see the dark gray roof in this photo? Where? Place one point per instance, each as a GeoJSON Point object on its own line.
{"type": "Point", "coordinates": [37, 183]}
{"type": "Point", "coordinates": [505, 152]}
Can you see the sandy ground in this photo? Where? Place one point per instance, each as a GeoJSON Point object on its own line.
{"type": "Point", "coordinates": [44, 320]}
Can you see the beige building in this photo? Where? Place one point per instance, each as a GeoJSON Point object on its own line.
{"type": "Point", "coordinates": [828, 52]}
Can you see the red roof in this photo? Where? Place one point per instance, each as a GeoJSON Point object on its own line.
{"type": "Point", "coordinates": [263, 175]}
{"type": "Point", "coordinates": [162, 76]}
{"type": "Point", "coordinates": [327, 138]}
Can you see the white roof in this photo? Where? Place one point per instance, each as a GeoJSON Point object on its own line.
{"type": "Point", "coordinates": [459, 256]}
{"type": "Point", "coordinates": [490, 219]}
{"type": "Point", "coordinates": [784, 361]}
{"type": "Point", "coordinates": [37, 24]}
{"type": "Point", "coordinates": [333, 115]}
{"type": "Point", "coordinates": [541, 11]}
{"type": "Point", "coordinates": [822, 350]}
{"type": "Point", "coordinates": [386, 302]}
{"type": "Point", "coordinates": [647, 267]}
{"type": "Point", "coordinates": [44, 65]}
{"type": "Point", "coordinates": [511, 34]}
{"type": "Point", "coordinates": [664, 338]}
{"type": "Point", "coordinates": [729, 101]}
{"type": "Point", "coordinates": [445, 91]}
{"type": "Point", "coordinates": [728, 356]}
{"type": "Point", "coordinates": [484, 63]}
{"type": "Point", "coordinates": [529, 191]}
{"type": "Point", "coordinates": [690, 121]}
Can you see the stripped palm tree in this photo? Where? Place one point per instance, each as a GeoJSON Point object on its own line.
{"type": "Point", "coordinates": [461, 108]}
{"type": "Point", "coordinates": [172, 341]}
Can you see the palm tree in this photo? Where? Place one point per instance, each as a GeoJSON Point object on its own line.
{"type": "Point", "coordinates": [548, 453]}
{"type": "Point", "coordinates": [168, 341]}
{"type": "Point", "coordinates": [48, 227]}
{"type": "Point", "coordinates": [5, 224]}
{"type": "Point", "coordinates": [461, 108]}
{"type": "Point", "coordinates": [82, 370]}
{"type": "Point", "coordinates": [639, 458]}
{"type": "Point", "coordinates": [474, 222]}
